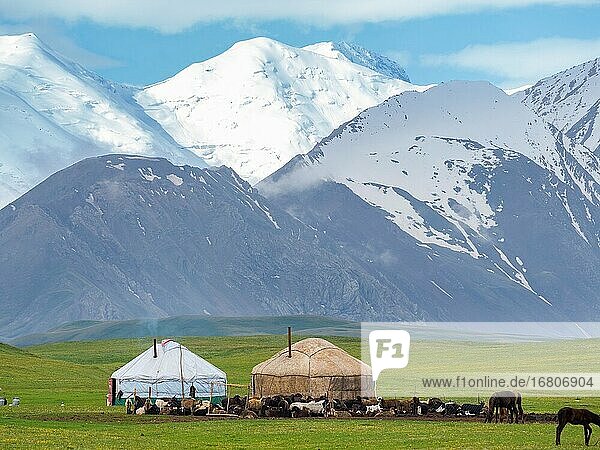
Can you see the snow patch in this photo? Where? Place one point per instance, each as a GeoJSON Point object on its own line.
{"type": "Point", "coordinates": [148, 174]}
{"type": "Point", "coordinates": [177, 181]}
{"type": "Point", "coordinates": [438, 286]}
{"type": "Point", "coordinates": [120, 166]}
{"type": "Point", "coordinates": [141, 226]}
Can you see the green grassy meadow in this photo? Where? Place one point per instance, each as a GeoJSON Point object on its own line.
{"type": "Point", "coordinates": [76, 373]}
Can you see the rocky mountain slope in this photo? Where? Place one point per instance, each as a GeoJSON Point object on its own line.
{"type": "Point", "coordinates": [123, 237]}
{"type": "Point", "coordinates": [569, 100]}
{"type": "Point", "coordinates": [466, 168]}
{"type": "Point", "coordinates": [120, 237]}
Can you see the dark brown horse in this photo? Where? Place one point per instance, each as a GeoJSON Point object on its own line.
{"type": "Point", "coordinates": [505, 399]}
{"type": "Point", "coordinates": [576, 417]}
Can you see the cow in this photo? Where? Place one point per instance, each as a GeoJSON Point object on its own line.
{"type": "Point", "coordinates": [470, 409]}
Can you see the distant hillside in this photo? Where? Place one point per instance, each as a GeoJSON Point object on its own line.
{"type": "Point", "coordinates": [87, 330]}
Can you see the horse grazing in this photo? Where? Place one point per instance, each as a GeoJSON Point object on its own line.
{"type": "Point", "coordinates": [576, 417]}
{"type": "Point", "coordinates": [505, 399]}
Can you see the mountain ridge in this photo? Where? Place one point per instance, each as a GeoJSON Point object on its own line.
{"type": "Point", "coordinates": [457, 167]}
{"type": "Point", "coordinates": [270, 100]}
{"type": "Point", "coordinates": [54, 112]}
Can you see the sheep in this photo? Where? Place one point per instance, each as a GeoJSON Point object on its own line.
{"type": "Point", "coordinates": [254, 404]}
{"type": "Point", "coordinates": [201, 408]}
{"type": "Point", "coordinates": [373, 409]}
{"type": "Point", "coordinates": [315, 408]}
{"type": "Point", "coordinates": [341, 414]}
{"type": "Point", "coordinates": [161, 403]}
{"type": "Point", "coordinates": [144, 409]}
{"type": "Point", "coordinates": [390, 413]}
{"type": "Point", "coordinates": [248, 414]}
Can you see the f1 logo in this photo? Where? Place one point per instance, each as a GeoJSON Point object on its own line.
{"type": "Point", "coordinates": [389, 349]}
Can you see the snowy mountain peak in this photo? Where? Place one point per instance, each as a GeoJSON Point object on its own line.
{"type": "Point", "coordinates": [53, 113]}
{"type": "Point", "coordinates": [20, 41]}
{"type": "Point", "coordinates": [570, 101]}
{"type": "Point", "coordinates": [461, 167]}
{"type": "Point", "coordinates": [440, 146]}
{"type": "Point", "coordinates": [20, 48]}
{"type": "Point", "coordinates": [259, 42]}
{"type": "Point", "coordinates": [361, 56]}
{"type": "Point", "coordinates": [262, 102]}
{"type": "Point", "coordinates": [251, 108]}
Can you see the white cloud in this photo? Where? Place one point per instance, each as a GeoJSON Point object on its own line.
{"type": "Point", "coordinates": [171, 16]}
{"type": "Point", "coordinates": [517, 63]}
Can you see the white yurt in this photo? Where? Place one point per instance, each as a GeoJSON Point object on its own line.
{"type": "Point", "coordinates": [167, 370]}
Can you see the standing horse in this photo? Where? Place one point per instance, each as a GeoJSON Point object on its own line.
{"type": "Point", "coordinates": [505, 399]}
{"type": "Point", "coordinates": [576, 417]}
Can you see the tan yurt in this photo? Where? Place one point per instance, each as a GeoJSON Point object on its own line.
{"type": "Point", "coordinates": [316, 367]}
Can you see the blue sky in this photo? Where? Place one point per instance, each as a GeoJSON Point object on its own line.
{"type": "Point", "coordinates": [509, 42]}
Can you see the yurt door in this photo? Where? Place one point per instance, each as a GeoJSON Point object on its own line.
{"type": "Point", "coordinates": [112, 387]}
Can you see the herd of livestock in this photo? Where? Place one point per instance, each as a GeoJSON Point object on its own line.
{"type": "Point", "coordinates": [505, 406]}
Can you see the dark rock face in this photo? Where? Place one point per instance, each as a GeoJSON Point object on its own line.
{"type": "Point", "coordinates": [534, 248]}
{"type": "Point", "coordinates": [118, 237]}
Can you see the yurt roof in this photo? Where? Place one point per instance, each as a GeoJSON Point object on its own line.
{"type": "Point", "coordinates": [312, 357]}
{"type": "Point", "coordinates": [172, 358]}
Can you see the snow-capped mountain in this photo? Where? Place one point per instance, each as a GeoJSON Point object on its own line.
{"type": "Point", "coordinates": [53, 112]}
{"type": "Point", "coordinates": [361, 56]}
{"type": "Point", "coordinates": [122, 237]}
{"type": "Point", "coordinates": [262, 102]}
{"type": "Point", "coordinates": [570, 101]}
{"type": "Point", "coordinates": [467, 168]}
{"type": "Point", "coordinates": [251, 108]}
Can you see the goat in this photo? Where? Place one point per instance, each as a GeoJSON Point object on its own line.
{"type": "Point", "coordinates": [316, 408]}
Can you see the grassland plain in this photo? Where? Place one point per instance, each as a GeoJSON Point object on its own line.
{"type": "Point", "coordinates": [75, 373]}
